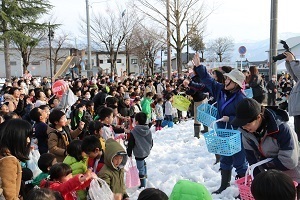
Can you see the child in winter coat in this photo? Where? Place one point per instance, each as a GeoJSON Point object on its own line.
{"type": "Point", "coordinates": [113, 170]}
{"type": "Point", "coordinates": [106, 116]}
{"type": "Point", "coordinates": [146, 106]}
{"type": "Point", "coordinates": [96, 128]}
{"type": "Point", "coordinates": [93, 148]}
{"type": "Point", "coordinates": [77, 162]}
{"type": "Point", "coordinates": [45, 162]}
{"type": "Point", "coordinates": [140, 142]}
{"type": "Point", "coordinates": [62, 180]}
{"type": "Point", "coordinates": [159, 113]}
{"type": "Point", "coordinates": [169, 109]}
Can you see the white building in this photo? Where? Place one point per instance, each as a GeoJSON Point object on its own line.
{"type": "Point", "coordinates": [40, 65]}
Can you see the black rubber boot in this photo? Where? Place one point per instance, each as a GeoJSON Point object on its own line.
{"type": "Point", "coordinates": [143, 181]}
{"type": "Point", "coordinates": [225, 181]}
{"type": "Point", "coordinates": [197, 128]}
{"type": "Point", "coordinates": [298, 192]}
{"type": "Point", "coordinates": [218, 157]}
{"type": "Point", "coordinates": [205, 130]}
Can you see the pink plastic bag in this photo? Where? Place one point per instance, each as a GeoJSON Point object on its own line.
{"type": "Point", "coordinates": [132, 175]}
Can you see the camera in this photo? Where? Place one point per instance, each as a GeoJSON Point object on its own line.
{"type": "Point", "coordinates": [282, 56]}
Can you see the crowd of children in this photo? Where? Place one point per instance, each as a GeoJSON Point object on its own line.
{"type": "Point", "coordinates": [91, 136]}
{"type": "Point", "coordinates": [87, 133]}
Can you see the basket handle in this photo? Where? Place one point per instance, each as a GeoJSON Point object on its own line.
{"type": "Point", "coordinates": [213, 125]}
{"type": "Point", "coordinates": [230, 125]}
{"type": "Point", "coordinates": [219, 120]}
{"type": "Point", "coordinates": [251, 168]}
{"type": "Point", "coordinates": [212, 107]}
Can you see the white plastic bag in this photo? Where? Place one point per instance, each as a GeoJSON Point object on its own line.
{"type": "Point", "coordinates": [100, 190]}
{"type": "Point", "coordinates": [32, 163]}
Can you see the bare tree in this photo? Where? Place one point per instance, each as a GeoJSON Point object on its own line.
{"type": "Point", "coordinates": [60, 41]}
{"type": "Point", "coordinates": [182, 12]}
{"type": "Point", "coordinates": [220, 49]}
{"type": "Point", "coordinates": [145, 44]}
{"type": "Point", "coordinates": [196, 40]}
{"type": "Point", "coordinates": [110, 32]}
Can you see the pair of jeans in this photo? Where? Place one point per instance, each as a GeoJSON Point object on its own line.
{"type": "Point", "coordinates": [141, 166]}
{"type": "Point", "coordinates": [169, 117]}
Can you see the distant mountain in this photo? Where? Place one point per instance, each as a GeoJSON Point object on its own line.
{"type": "Point", "coordinates": [256, 51]}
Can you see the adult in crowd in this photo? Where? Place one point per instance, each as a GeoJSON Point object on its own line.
{"type": "Point", "coordinates": [199, 93]}
{"type": "Point", "coordinates": [272, 90]}
{"type": "Point", "coordinates": [227, 95]}
{"type": "Point", "coordinates": [292, 66]}
{"type": "Point", "coordinates": [14, 147]}
{"type": "Point", "coordinates": [256, 83]}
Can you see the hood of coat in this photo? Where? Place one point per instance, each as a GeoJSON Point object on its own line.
{"type": "Point", "coordinates": [112, 149]}
{"type": "Point", "coordinates": [142, 130]}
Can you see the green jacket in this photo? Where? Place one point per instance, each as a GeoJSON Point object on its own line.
{"type": "Point", "coordinates": [114, 176]}
{"type": "Point", "coordinates": [77, 168]}
{"type": "Point", "coordinates": [39, 178]}
{"type": "Point", "coordinates": [146, 106]}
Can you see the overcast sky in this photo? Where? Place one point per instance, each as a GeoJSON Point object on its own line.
{"type": "Point", "coordinates": [244, 20]}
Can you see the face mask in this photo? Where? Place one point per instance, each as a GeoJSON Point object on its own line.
{"type": "Point", "coordinates": [23, 84]}
{"type": "Point", "coordinates": [273, 79]}
{"type": "Point", "coordinates": [88, 96]}
{"type": "Point", "coordinates": [34, 82]}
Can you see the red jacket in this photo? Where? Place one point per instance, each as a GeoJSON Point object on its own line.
{"type": "Point", "coordinates": [91, 164]}
{"type": "Point", "coordinates": [66, 189]}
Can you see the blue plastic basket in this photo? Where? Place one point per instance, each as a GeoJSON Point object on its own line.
{"type": "Point", "coordinates": [206, 114]}
{"type": "Point", "coordinates": [224, 142]}
{"type": "Point", "coordinates": [249, 93]}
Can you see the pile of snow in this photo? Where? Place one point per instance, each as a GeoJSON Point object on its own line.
{"type": "Point", "coordinates": [177, 155]}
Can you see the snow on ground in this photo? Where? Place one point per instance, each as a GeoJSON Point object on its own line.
{"type": "Point", "coordinates": [177, 155]}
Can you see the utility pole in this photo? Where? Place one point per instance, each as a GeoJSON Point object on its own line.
{"type": "Point", "coordinates": [88, 28]}
{"type": "Point", "coordinates": [169, 67]}
{"type": "Point", "coordinates": [273, 38]}
{"type": "Point", "coordinates": [50, 37]}
{"type": "Point", "coordinates": [187, 41]}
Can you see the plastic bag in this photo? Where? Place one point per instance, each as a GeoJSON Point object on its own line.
{"type": "Point", "coordinates": [100, 190]}
{"type": "Point", "coordinates": [32, 163]}
{"type": "Point", "coordinates": [181, 103]}
{"type": "Point", "coordinates": [132, 175]}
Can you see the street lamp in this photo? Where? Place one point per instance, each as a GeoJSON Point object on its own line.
{"type": "Point", "coordinates": [50, 36]}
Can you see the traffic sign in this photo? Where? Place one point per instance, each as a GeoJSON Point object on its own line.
{"type": "Point", "coordinates": [242, 50]}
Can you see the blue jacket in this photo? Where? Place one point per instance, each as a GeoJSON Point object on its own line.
{"type": "Point", "coordinates": [278, 141]}
{"type": "Point", "coordinates": [226, 101]}
{"type": "Point", "coordinates": [197, 89]}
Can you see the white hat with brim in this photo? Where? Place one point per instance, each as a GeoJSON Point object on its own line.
{"type": "Point", "coordinates": [236, 76]}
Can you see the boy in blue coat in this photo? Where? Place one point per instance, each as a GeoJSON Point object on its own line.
{"type": "Point", "coordinates": [140, 142]}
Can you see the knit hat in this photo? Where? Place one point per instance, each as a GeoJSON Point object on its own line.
{"type": "Point", "coordinates": [152, 194]}
{"type": "Point", "coordinates": [236, 76]}
{"type": "Point", "coordinates": [246, 111]}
